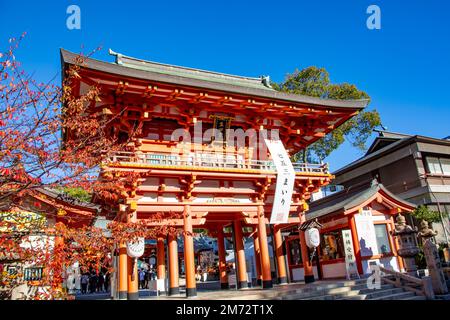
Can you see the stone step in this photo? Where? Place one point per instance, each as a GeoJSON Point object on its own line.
{"type": "Point", "coordinates": [416, 298]}
{"type": "Point", "coordinates": [381, 293]}
{"type": "Point", "coordinates": [364, 289]}
{"type": "Point", "coordinates": [325, 289]}
{"type": "Point", "coordinates": [397, 296]}
{"type": "Point", "coordinates": [355, 295]}
{"type": "Point", "coordinates": [339, 291]}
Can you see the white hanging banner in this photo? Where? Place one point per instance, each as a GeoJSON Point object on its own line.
{"type": "Point", "coordinates": [285, 181]}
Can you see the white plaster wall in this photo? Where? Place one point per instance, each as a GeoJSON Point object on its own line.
{"type": "Point", "coordinates": [149, 197]}
{"type": "Point", "coordinates": [243, 199]}
{"type": "Point", "coordinates": [244, 185]}
{"type": "Point", "coordinates": [298, 274]}
{"type": "Point", "coordinates": [203, 198]}
{"type": "Point", "coordinates": [170, 198]}
{"type": "Point", "coordinates": [388, 263]}
{"type": "Point", "coordinates": [172, 182]}
{"type": "Point", "coordinates": [151, 182]}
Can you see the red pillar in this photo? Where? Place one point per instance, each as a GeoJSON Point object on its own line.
{"type": "Point", "coordinates": [264, 247]}
{"type": "Point", "coordinates": [222, 259]}
{"type": "Point", "coordinates": [161, 256]}
{"type": "Point", "coordinates": [240, 255]}
{"type": "Point", "coordinates": [189, 260]}
{"type": "Point", "coordinates": [278, 241]}
{"type": "Point", "coordinates": [58, 263]}
{"type": "Point", "coordinates": [132, 274]}
{"type": "Point", "coordinates": [257, 257]}
{"type": "Point", "coordinates": [307, 265]}
{"type": "Point", "coordinates": [123, 262]}
{"type": "Point", "coordinates": [355, 240]}
{"type": "Point", "coordinates": [395, 245]}
{"type": "Point", "coordinates": [173, 265]}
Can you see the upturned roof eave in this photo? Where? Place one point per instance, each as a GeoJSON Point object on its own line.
{"type": "Point", "coordinates": [68, 58]}
{"type": "Point", "coordinates": [349, 204]}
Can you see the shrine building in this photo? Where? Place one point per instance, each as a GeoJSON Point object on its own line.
{"type": "Point", "coordinates": [356, 226]}
{"type": "Point", "coordinates": [35, 211]}
{"type": "Point", "coordinates": [201, 153]}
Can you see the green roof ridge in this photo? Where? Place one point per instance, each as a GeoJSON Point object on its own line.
{"type": "Point", "coordinates": [187, 72]}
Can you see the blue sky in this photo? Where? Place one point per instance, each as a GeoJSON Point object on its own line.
{"type": "Point", "coordinates": [404, 67]}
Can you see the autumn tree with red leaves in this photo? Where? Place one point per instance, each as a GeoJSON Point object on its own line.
{"type": "Point", "coordinates": [35, 149]}
{"type": "Point", "coordinates": [50, 139]}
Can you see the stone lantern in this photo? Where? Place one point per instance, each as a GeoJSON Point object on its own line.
{"type": "Point", "coordinates": [408, 247]}
{"type": "Point", "coordinates": [425, 232]}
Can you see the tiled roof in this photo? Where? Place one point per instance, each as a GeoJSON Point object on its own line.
{"type": "Point", "coordinates": [347, 199]}
{"type": "Point", "coordinates": [130, 62]}
{"type": "Point", "coordinates": [182, 76]}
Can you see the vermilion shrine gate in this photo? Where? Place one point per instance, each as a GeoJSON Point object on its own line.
{"type": "Point", "coordinates": [211, 182]}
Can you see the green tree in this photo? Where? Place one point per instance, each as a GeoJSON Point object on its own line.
{"type": "Point", "coordinates": [424, 213]}
{"type": "Point", "coordinates": [314, 81]}
{"type": "Point", "coordinates": [77, 193]}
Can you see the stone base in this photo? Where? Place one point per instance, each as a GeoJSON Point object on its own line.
{"type": "Point", "coordinates": [309, 279]}
{"type": "Point", "coordinates": [224, 286]}
{"type": "Point", "coordinates": [133, 295]}
{"type": "Point", "coordinates": [191, 292]}
{"type": "Point", "coordinates": [267, 284]}
{"type": "Point", "coordinates": [282, 280]}
{"type": "Point", "coordinates": [242, 284]}
{"type": "Point", "coordinates": [174, 291]}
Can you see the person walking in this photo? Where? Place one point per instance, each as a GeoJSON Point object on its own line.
{"type": "Point", "coordinates": [93, 283]}
{"type": "Point", "coordinates": [100, 282]}
{"type": "Point", "coordinates": [107, 281]}
{"type": "Point", "coordinates": [77, 282]}
{"type": "Point", "coordinates": [141, 278]}
{"type": "Point", "coordinates": [84, 283]}
{"type": "Point", "coordinates": [147, 279]}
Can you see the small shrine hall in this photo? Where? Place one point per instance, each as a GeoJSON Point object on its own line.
{"type": "Point", "coordinates": [212, 183]}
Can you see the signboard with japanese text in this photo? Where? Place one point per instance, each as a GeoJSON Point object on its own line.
{"type": "Point", "coordinates": [285, 181]}
{"type": "Point", "coordinates": [350, 258]}
{"type": "Point", "coordinates": [366, 233]}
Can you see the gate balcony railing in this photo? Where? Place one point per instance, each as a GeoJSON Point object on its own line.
{"type": "Point", "coordinates": [208, 160]}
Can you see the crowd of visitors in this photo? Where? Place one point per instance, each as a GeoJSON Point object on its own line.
{"type": "Point", "coordinates": [144, 277]}
{"type": "Point", "coordinates": [93, 282]}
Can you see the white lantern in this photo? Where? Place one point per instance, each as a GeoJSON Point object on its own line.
{"type": "Point", "coordinates": [136, 248]}
{"type": "Point", "coordinates": [312, 237]}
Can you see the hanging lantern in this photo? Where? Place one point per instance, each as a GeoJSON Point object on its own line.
{"type": "Point", "coordinates": [136, 248]}
{"type": "Point", "coordinates": [312, 237]}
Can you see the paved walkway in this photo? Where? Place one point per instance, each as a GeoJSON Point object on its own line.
{"type": "Point", "coordinates": [254, 293]}
{"type": "Point", "coordinates": [208, 291]}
